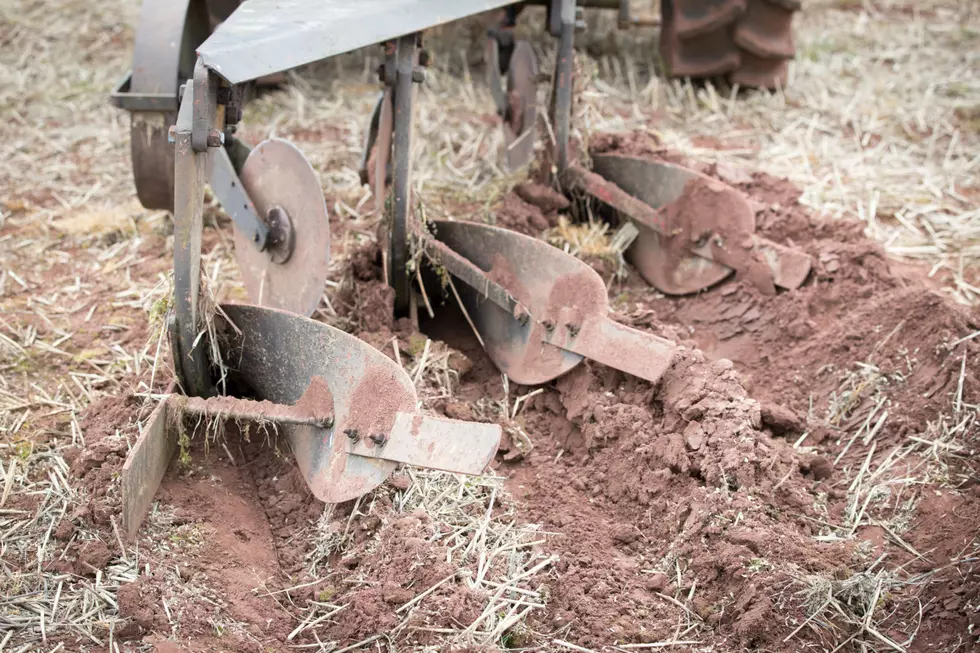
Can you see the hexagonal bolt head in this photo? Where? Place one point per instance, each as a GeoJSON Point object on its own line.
{"type": "Point", "coordinates": [216, 138]}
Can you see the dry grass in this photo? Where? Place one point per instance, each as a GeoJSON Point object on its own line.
{"type": "Point", "coordinates": [880, 122]}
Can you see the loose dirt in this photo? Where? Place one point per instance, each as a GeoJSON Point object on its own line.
{"type": "Point", "coordinates": [706, 509]}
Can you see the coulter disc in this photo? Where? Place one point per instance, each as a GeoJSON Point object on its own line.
{"type": "Point", "coordinates": [291, 272]}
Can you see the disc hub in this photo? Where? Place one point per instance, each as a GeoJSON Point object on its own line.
{"type": "Point", "coordinates": [282, 237]}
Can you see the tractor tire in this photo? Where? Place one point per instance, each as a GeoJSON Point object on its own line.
{"type": "Point", "coordinates": [748, 41]}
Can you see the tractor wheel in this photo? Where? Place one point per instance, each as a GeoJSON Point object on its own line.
{"type": "Point", "coordinates": [748, 41]}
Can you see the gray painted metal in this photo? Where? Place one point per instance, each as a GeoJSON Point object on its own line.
{"type": "Point", "coordinates": [263, 37]}
{"type": "Point", "coordinates": [406, 56]}
{"type": "Point", "coordinates": [228, 188]}
{"type": "Point", "coordinates": [122, 97]}
{"type": "Point", "coordinates": [190, 170]}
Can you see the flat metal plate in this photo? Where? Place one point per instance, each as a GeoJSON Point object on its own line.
{"type": "Point", "coordinates": [263, 37]}
{"type": "Point", "coordinates": [144, 468]}
{"type": "Point", "coordinates": [277, 174]}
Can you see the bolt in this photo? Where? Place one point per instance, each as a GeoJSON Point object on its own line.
{"type": "Point", "coordinates": [548, 325]}
{"type": "Point", "coordinates": [327, 422]}
{"type": "Point", "coordinates": [379, 439]}
{"type": "Point", "coordinates": [216, 138]}
{"type": "Point", "coordinates": [572, 329]}
{"type": "Point", "coordinates": [180, 92]}
{"type": "Point", "coordinates": [172, 134]}
{"type": "Point", "coordinates": [418, 75]}
{"type": "Point", "coordinates": [352, 434]}
{"type": "Point", "coordinates": [521, 314]}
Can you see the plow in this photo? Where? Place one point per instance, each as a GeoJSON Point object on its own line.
{"type": "Point", "coordinates": [349, 413]}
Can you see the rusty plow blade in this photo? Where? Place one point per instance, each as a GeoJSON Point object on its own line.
{"type": "Point", "coordinates": [537, 310]}
{"type": "Point", "coordinates": [694, 230]}
{"type": "Point", "coordinates": [349, 412]}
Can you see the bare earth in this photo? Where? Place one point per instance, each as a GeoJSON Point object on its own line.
{"type": "Point", "coordinates": [803, 478]}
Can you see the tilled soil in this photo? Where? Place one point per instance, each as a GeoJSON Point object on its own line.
{"type": "Point", "coordinates": [699, 510]}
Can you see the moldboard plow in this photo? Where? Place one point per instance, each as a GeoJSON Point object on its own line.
{"type": "Point", "coordinates": [349, 413]}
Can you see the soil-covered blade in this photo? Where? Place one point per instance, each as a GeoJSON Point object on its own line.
{"type": "Point", "coordinates": [694, 230]}
{"type": "Point", "coordinates": [349, 412]}
{"type": "Point", "coordinates": [557, 313]}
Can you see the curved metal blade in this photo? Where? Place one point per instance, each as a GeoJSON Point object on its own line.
{"type": "Point", "coordinates": [277, 174]}
{"type": "Point", "coordinates": [666, 265]}
{"type": "Point", "coordinates": [710, 230]}
{"type": "Point", "coordinates": [276, 355]}
{"type": "Point", "coordinates": [566, 305]}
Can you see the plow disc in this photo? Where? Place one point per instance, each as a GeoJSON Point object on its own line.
{"type": "Point", "coordinates": [348, 412]}
{"type": "Point", "coordinates": [560, 313]}
{"type": "Point", "coordinates": [289, 273]}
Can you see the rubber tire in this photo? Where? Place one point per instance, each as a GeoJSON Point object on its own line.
{"type": "Point", "coordinates": [750, 42]}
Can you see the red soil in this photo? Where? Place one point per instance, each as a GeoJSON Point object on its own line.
{"type": "Point", "coordinates": [680, 511]}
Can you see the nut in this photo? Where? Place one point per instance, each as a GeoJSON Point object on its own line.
{"type": "Point", "coordinates": [216, 138]}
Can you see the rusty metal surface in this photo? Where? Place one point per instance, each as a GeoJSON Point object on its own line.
{"type": "Point", "coordinates": [189, 178]}
{"type": "Point", "coordinates": [276, 356]}
{"type": "Point", "coordinates": [610, 343]}
{"type": "Point", "coordinates": [766, 30]}
{"type": "Point", "coordinates": [435, 443]}
{"type": "Point", "coordinates": [562, 315]}
{"type": "Point", "coordinates": [268, 36]}
{"type": "Point", "coordinates": [370, 137]}
{"type": "Point", "coordinates": [144, 468]}
{"type": "Point", "coordinates": [521, 113]}
{"type": "Point", "coordinates": [379, 160]}
{"type": "Point", "coordinates": [276, 174]}
{"type": "Point", "coordinates": [348, 412]}
{"type": "Point", "coordinates": [684, 258]}
{"type": "Point", "coordinates": [790, 267]}
{"type": "Point", "coordinates": [654, 253]}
